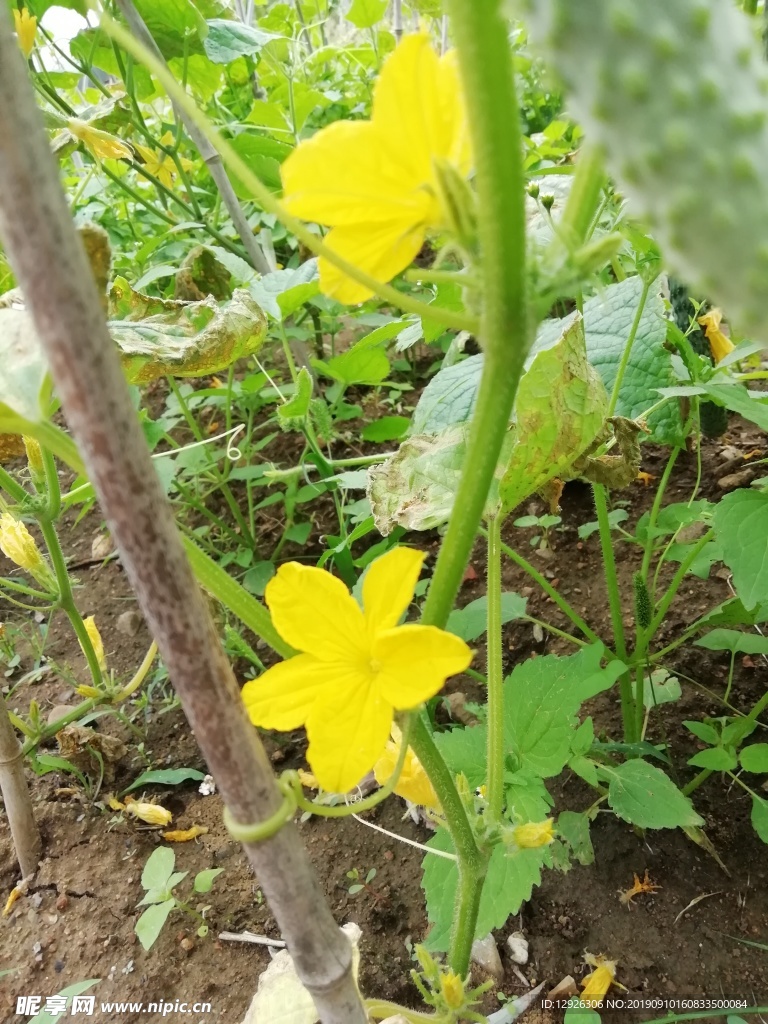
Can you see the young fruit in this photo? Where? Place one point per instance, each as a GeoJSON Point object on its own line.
{"type": "Point", "coordinates": [677, 93]}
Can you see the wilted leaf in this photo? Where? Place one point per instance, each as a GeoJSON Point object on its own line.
{"type": "Point", "coordinates": [186, 339]}
{"type": "Point", "coordinates": [24, 367]}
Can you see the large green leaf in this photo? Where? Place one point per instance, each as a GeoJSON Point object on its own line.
{"type": "Point", "coordinates": [449, 398]}
{"type": "Point", "coordinates": [741, 524]}
{"type": "Point", "coordinates": [263, 156]}
{"type": "Point", "coordinates": [176, 25]}
{"type": "Point", "coordinates": [608, 318]}
{"type": "Point", "coordinates": [470, 622]}
{"type": "Point", "coordinates": [186, 339]}
{"type": "Point", "coordinates": [512, 874]}
{"type": "Point", "coordinates": [642, 794]}
{"type": "Point", "coordinates": [365, 13]}
{"type": "Point", "coordinates": [284, 291]}
{"type": "Point", "coordinates": [541, 698]}
{"type": "Point", "coordinates": [24, 366]}
{"type": "Point", "coordinates": [749, 404]}
{"type": "Point", "coordinates": [759, 816]}
{"type": "Point", "coordinates": [559, 410]}
{"type": "Point", "coordinates": [228, 40]}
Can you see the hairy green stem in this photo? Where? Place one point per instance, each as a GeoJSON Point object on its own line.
{"type": "Point", "coordinates": [654, 513]}
{"type": "Point", "coordinates": [495, 674]}
{"type": "Point", "coordinates": [677, 579]}
{"type": "Point", "coordinates": [614, 602]}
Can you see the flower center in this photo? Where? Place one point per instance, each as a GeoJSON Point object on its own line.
{"type": "Point", "coordinates": [374, 666]}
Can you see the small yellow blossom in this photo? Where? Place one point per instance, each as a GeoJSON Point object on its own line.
{"type": "Point", "coordinates": [376, 183]}
{"type": "Point", "coordinates": [452, 989]}
{"type": "Point", "coordinates": [114, 803]}
{"type": "Point", "coordinates": [87, 691]}
{"type": "Point", "coordinates": [534, 834]}
{"type": "Point", "coordinates": [719, 343]}
{"type": "Point", "coordinates": [34, 455]}
{"type": "Point", "coordinates": [413, 784]}
{"type": "Point", "coordinates": [597, 983]}
{"type": "Point", "coordinates": [160, 164]}
{"type": "Point", "coordinates": [96, 642]}
{"type": "Point", "coordinates": [307, 779]}
{"type": "Point", "coordinates": [18, 544]}
{"type": "Point", "coordinates": [15, 894]}
{"type": "Point", "coordinates": [184, 835]}
{"type": "Point", "coordinates": [152, 814]}
{"type": "Point", "coordinates": [357, 666]}
{"type": "Point", "coordinates": [100, 144]}
{"type": "Point", "coordinates": [26, 27]}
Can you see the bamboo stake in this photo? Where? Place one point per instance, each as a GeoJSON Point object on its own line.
{"type": "Point", "coordinates": [18, 804]}
{"type": "Point", "coordinates": [51, 267]}
{"type": "Point", "coordinates": [211, 158]}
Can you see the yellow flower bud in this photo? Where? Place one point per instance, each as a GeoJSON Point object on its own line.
{"type": "Point", "coordinates": [101, 144]}
{"type": "Point", "coordinates": [87, 691]}
{"type": "Point", "coordinates": [96, 642]}
{"type": "Point", "coordinates": [17, 543]}
{"type": "Point", "coordinates": [153, 814]}
{"type": "Point", "coordinates": [34, 456]}
{"type": "Point", "coordinates": [719, 343]}
{"type": "Point", "coordinates": [534, 834]}
{"type": "Point", "coordinates": [452, 989]}
{"type": "Point", "coordinates": [26, 27]}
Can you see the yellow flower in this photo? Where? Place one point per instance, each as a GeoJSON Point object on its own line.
{"type": "Point", "coordinates": [26, 27]}
{"type": "Point", "coordinates": [413, 784]}
{"type": "Point", "coordinates": [534, 834]}
{"type": "Point", "coordinates": [34, 455]}
{"type": "Point", "coordinates": [357, 666]}
{"type": "Point", "coordinates": [160, 164]}
{"type": "Point", "coordinates": [376, 183]}
{"type": "Point", "coordinates": [452, 989]}
{"type": "Point", "coordinates": [597, 983]}
{"type": "Point", "coordinates": [100, 144]}
{"type": "Point", "coordinates": [153, 814]}
{"type": "Point", "coordinates": [17, 543]}
{"type": "Point", "coordinates": [96, 642]}
{"type": "Point", "coordinates": [720, 345]}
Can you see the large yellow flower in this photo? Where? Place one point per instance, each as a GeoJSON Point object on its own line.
{"type": "Point", "coordinates": [357, 667]}
{"type": "Point", "coordinates": [375, 182]}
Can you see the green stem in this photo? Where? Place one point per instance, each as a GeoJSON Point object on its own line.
{"type": "Point", "coordinates": [654, 513]}
{"type": "Point", "coordinates": [628, 349]}
{"type": "Point", "coordinates": [495, 675]}
{"type": "Point", "coordinates": [567, 609]}
{"type": "Point", "coordinates": [614, 602]}
{"type": "Point", "coordinates": [13, 488]}
{"type": "Point", "coordinates": [677, 579]}
{"type": "Point", "coordinates": [697, 781]}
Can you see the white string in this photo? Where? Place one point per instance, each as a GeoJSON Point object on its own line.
{"type": "Point", "coordinates": [233, 452]}
{"type": "Point", "coordinates": [408, 842]}
{"type": "Point", "coordinates": [277, 389]}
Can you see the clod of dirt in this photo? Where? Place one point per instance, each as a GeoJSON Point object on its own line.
{"type": "Point", "coordinates": [518, 948]}
{"type": "Point", "coordinates": [102, 546]}
{"type": "Point", "coordinates": [743, 478]}
{"type": "Point", "coordinates": [486, 955]}
{"type": "Point", "coordinates": [129, 623]}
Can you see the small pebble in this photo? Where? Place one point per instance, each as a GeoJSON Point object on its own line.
{"type": "Point", "coordinates": [129, 623]}
{"type": "Point", "coordinates": [486, 955]}
{"type": "Point", "coordinates": [518, 947]}
{"type": "Point", "coordinates": [188, 944]}
{"type": "Point", "coordinates": [62, 902]}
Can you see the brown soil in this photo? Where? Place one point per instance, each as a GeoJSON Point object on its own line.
{"type": "Point", "coordinates": [77, 920]}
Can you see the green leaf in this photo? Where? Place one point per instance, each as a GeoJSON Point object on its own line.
{"type": "Point", "coordinates": [295, 410]}
{"type": "Point", "coordinates": [464, 751]}
{"type": "Point", "coordinates": [258, 576]}
{"type": "Point", "coordinates": [24, 366]}
{"type": "Point", "coordinates": [508, 884]}
{"type": "Point", "coordinates": [159, 868]}
{"type": "Point", "coordinates": [717, 759]}
{"type": "Point", "coordinates": [574, 828]}
{"type": "Point", "coordinates": [449, 398]}
{"type": "Point", "coordinates": [642, 794]}
{"type": "Point", "coordinates": [283, 291]}
{"type": "Point", "coordinates": [157, 337]}
{"type": "Point", "coordinates": [388, 428]}
{"type": "Point", "coordinates": [741, 523]}
{"type": "Point", "coordinates": [735, 641]}
{"type": "Point", "coordinates": [542, 696]}
{"type": "Point", "coordinates": [759, 816]}
{"type": "Point", "coordinates": [583, 738]}
{"type": "Point", "coordinates": [228, 40]}
{"type": "Point", "coordinates": [365, 13]}
{"type": "Point", "coordinates": [526, 796]}
{"type": "Point", "coordinates": [46, 1016]}
{"type": "Point", "coordinates": [661, 688]}
{"type": "Point", "coordinates": [151, 922]}
{"type": "Point", "coordinates": [165, 777]}
{"type": "Point", "coordinates": [706, 733]}
{"type": "Point", "coordinates": [754, 758]}
{"type": "Point", "coordinates": [204, 879]}
{"type": "Point", "coordinates": [263, 156]}
{"type": "Point", "coordinates": [749, 404]}
{"type": "Point", "coordinates": [361, 364]}
{"type": "Point", "coordinates": [471, 621]}
{"type": "Point", "coordinates": [560, 408]}
{"type": "Point", "coordinates": [581, 1015]}
{"type": "Point", "coordinates": [608, 320]}
{"type": "Point", "coordinates": [733, 613]}
{"type": "Point", "coordinates": [671, 518]}
{"type": "Point", "coordinates": [175, 25]}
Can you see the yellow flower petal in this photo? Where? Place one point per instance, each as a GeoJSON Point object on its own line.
{"type": "Point", "coordinates": [413, 784]}
{"type": "Point", "coordinates": [153, 814]}
{"type": "Point", "coordinates": [596, 984]}
{"type": "Point", "coordinates": [388, 587]}
{"type": "Point", "coordinates": [347, 734]}
{"type": "Point", "coordinates": [283, 696]}
{"type": "Point", "coordinates": [452, 989]}
{"type": "Point", "coordinates": [407, 106]}
{"type": "Point", "coordinates": [184, 835]}
{"type": "Point", "coordinates": [26, 27]}
{"type": "Point", "coordinates": [314, 612]}
{"type": "Point", "coordinates": [719, 343]}
{"type": "Point", "coordinates": [414, 662]}
{"type": "Point", "coordinates": [534, 834]}
{"type": "Point", "coordinates": [381, 250]}
{"type": "Point", "coordinates": [100, 144]}
{"type": "Point", "coordinates": [96, 642]}
{"type": "Point", "coordinates": [344, 175]}
{"type": "Point", "coordinates": [459, 152]}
